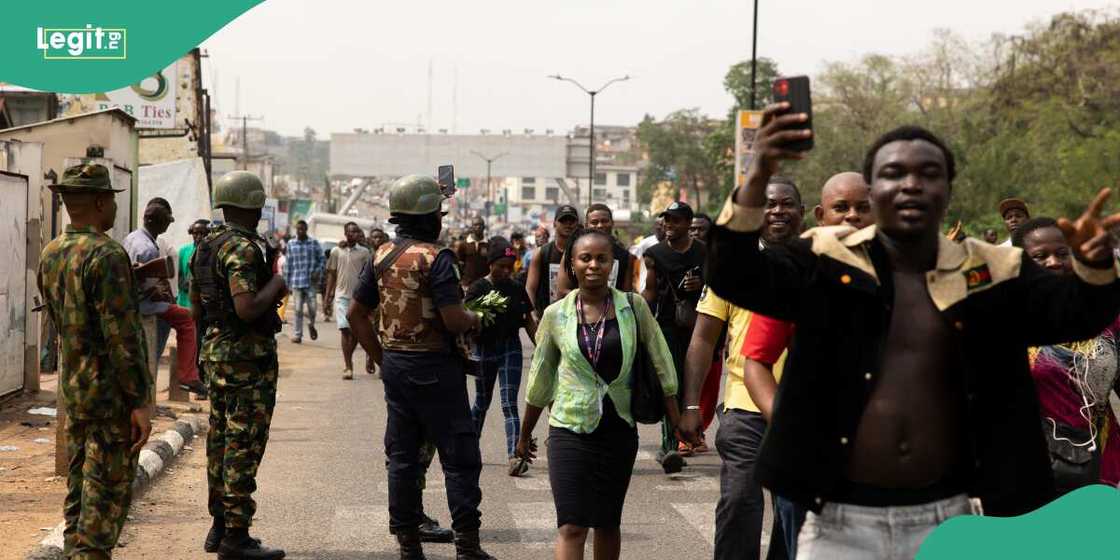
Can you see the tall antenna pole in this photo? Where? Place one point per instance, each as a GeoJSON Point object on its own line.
{"type": "Point", "coordinates": [245, 155]}
{"type": "Point", "coordinates": [428, 124]}
{"type": "Point", "coordinates": [455, 100]}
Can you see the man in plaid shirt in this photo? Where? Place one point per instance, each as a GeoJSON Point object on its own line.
{"type": "Point", "coordinates": [302, 270]}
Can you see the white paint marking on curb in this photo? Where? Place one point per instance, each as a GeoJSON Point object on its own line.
{"type": "Point", "coordinates": [151, 463]}
{"type": "Point", "coordinates": [174, 439]}
{"type": "Point", "coordinates": [54, 538]}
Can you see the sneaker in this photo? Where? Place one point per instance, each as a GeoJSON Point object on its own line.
{"type": "Point", "coordinates": [684, 449]}
{"type": "Point", "coordinates": [671, 462]}
{"type": "Point", "coordinates": [314, 333]}
{"type": "Point", "coordinates": [347, 374]}
{"type": "Point", "coordinates": [517, 466]}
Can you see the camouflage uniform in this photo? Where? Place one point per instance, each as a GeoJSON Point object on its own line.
{"type": "Point", "coordinates": [86, 278]}
{"type": "Point", "coordinates": [241, 367]}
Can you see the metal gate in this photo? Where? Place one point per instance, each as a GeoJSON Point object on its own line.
{"type": "Point", "coordinates": [13, 280]}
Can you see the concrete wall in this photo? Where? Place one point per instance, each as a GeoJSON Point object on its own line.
{"type": "Point", "coordinates": [26, 158]}
{"type": "Point", "coordinates": [394, 155]}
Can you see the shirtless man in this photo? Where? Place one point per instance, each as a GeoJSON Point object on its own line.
{"type": "Point", "coordinates": [907, 390]}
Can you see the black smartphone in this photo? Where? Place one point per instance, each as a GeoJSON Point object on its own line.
{"type": "Point", "coordinates": [795, 91]}
{"type": "Point", "coordinates": [446, 180]}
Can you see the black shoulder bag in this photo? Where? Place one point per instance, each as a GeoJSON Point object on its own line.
{"type": "Point", "coordinates": [647, 398]}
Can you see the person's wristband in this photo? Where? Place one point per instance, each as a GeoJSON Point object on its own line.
{"type": "Point", "coordinates": [692, 407]}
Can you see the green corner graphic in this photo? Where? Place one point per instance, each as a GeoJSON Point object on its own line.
{"type": "Point", "coordinates": [1077, 525]}
{"type": "Point", "coordinates": [153, 36]}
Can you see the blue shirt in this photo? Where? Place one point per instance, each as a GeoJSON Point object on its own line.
{"type": "Point", "coordinates": [305, 258]}
{"type": "Point", "coordinates": [141, 248]}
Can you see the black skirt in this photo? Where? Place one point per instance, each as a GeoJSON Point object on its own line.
{"type": "Point", "coordinates": [590, 473]}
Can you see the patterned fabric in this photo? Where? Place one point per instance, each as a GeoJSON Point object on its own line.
{"type": "Point", "coordinates": [86, 279]}
{"type": "Point", "coordinates": [242, 398]}
{"type": "Point", "coordinates": [98, 485]}
{"type": "Point", "coordinates": [238, 263]}
{"type": "Point", "coordinates": [501, 362]}
{"type": "Point", "coordinates": [408, 318]}
{"type": "Point", "coordinates": [1069, 392]}
{"type": "Point", "coordinates": [305, 259]}
{"type": "Point", "coordinates": [562, 379]}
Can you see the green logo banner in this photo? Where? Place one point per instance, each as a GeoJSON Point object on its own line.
{"type": "Point", "coordinates": [69, 46]}
{"type": "Point", "coordinates": [1077, 525]}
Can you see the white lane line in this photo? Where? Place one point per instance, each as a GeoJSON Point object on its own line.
{"type": "Point", "coordinates": [644, 455]}
{"type": "Point", "coordinates": [690, 483]}
{"type": "Point", "coordinates": [536, 523]}
{"type": "Point", "coordinates": [702, 517]}
{"type": "Point", "coordinates": [364, 528]}
{"type": "Point", "coordinates": [532, 483]}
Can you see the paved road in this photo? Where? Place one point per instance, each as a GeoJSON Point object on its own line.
{"type": "Point", "coordinates": [323, 492]}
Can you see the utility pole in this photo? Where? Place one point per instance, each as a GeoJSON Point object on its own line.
{"type": "Point", "coordinates": [754, 54]}
{"type": "Point", "coordinates": [489, 191]}
{"type": "Point", "coordinates": [245, 137]}
{"type": "Point", "coordinates": [591, 139]}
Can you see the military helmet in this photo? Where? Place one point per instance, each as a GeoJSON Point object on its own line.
{"type": "Point", "coordinates": [415, 195]}
{"type": "Point", "coordinates": [239, 189]}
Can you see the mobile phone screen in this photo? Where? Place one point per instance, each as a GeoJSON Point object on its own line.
{"type": "Point", "coordinates": [446, 179]}
{"type": "Point", "coordinates": [795, 91]}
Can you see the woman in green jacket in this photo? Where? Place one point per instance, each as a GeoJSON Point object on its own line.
{"type": "Point", "coordinates": [586, 345]}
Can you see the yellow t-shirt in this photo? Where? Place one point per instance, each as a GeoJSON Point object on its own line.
{"type": "Point", "coordinates": [735, 393]}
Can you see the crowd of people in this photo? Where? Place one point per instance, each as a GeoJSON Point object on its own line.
{"type": "Point", "coordinates": [879, 374]}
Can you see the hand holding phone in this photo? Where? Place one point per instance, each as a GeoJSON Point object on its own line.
{"type": "Point", "coordinates": [446, 179]}
{"type": "Point", "coordinates": [795, 91]}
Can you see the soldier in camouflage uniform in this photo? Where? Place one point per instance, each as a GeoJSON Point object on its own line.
{"type": "Point", "coordinates": [415, 287]}
{"type": "Point", "coordinates": [105, 385]}
{"type": "Point", "coordinates": [234, 295]}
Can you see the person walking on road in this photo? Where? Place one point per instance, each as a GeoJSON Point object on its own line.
{"type": "Point", "coordinates": [586, 347]}
{"type": "Point", "coordinates": [304, 265]}
{"type": "Point", "coordinates": [235, 293]}
{"type": "Point", "coordinates": [414, 285]}
{"type": "Point", "coordinates": [343, 267]}
{"type": "Point", "coordinates": [541, 281]}
{"type": "Point", "coordinates": [155, 295]}
{"type": "Point", "coordinates": [500, 345]}
{"type": "Point", "coordinates": [104, 383]}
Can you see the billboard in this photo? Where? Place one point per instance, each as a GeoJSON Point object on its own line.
{"type": "Point", "coordinates": [151, 102]}
{"type": "Point", "coordinates": [746, 126]}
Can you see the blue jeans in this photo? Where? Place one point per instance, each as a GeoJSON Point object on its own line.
{"type": "Point", "coordinates": [501, 361]}
{"type": "Point", "coordinates": [791, 516]}
{"type": "Point", "coordinates": [303, 296]}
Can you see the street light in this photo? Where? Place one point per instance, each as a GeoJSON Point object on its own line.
{"type": "Point", "coordinates": [754, 53]}
{"type": "Point", "coordinates": [489, 195]}
{"type": "Point", "coordinates": [591, 137]}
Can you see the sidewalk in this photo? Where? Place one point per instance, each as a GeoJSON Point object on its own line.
{"type": "Point", "coordinates": [29, 489]}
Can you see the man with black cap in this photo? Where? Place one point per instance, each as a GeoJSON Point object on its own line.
{"type": "Point", "coordinates": [674, 277]}
{"type": "Point", "coordinates": [1014, 213]}
{"type": "Point", "coordinates": [104, 384]}
{"type": "Point", "coordinates": [545, 266]}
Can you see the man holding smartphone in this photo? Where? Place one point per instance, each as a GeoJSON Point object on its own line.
{"type": "Point", "coordinates": [674, 277]}
{"type": "Point", "coordinates": [907, 389]}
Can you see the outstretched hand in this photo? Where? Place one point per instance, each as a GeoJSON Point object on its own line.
{"type": "Point", "coordinates": [1089, 236]}
{"type": "Point", "coordinates": [771, 148]}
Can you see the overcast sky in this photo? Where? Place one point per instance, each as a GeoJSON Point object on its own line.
{"type": "Point", "coordinates": [337, 65]}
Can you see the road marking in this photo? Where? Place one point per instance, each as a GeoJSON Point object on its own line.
{"type": "Point", "coordinates": [537, 484]}
{"type": "Point", "coordinates": [691, 483]}
{"type": "Point", "coordinates": [364, 528]}
{"type": "Point", "coordinates": [644, 455]}
{"type": "Point", "coordinates": [536, 523]}
{"type": "Point", "coordinates": [702, 517]}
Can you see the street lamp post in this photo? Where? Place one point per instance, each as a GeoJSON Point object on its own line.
{"type": "Point", "coordinates": [754, 53]}
{"type": "Point", "coordinates": [489, 191]}
{"type": "Point", "coordinates": [591, 138]}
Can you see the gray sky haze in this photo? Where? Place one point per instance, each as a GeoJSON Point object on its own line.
{"type": "Point", "coordinates": [336, 65]}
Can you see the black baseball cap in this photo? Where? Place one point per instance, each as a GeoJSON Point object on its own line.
{"type": "Point", "coordinates": [566, 210]}
{"type": "Point", "coordinates": [678, 208]}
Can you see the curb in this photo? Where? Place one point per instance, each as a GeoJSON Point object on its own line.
{"type": "Point", "coordinates": [154, 457]}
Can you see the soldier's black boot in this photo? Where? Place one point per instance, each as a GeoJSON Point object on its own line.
{"type": "Point", "coordinates": [214, 537]}
{"type": "Point", "coordinates": [430, 531]}
{"type": "Point", "coordinates": [411, 548]}
{"type": "Point", "coordinates": [238, 545]}
{"type": "Point", "coordinates": [467, 547]}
